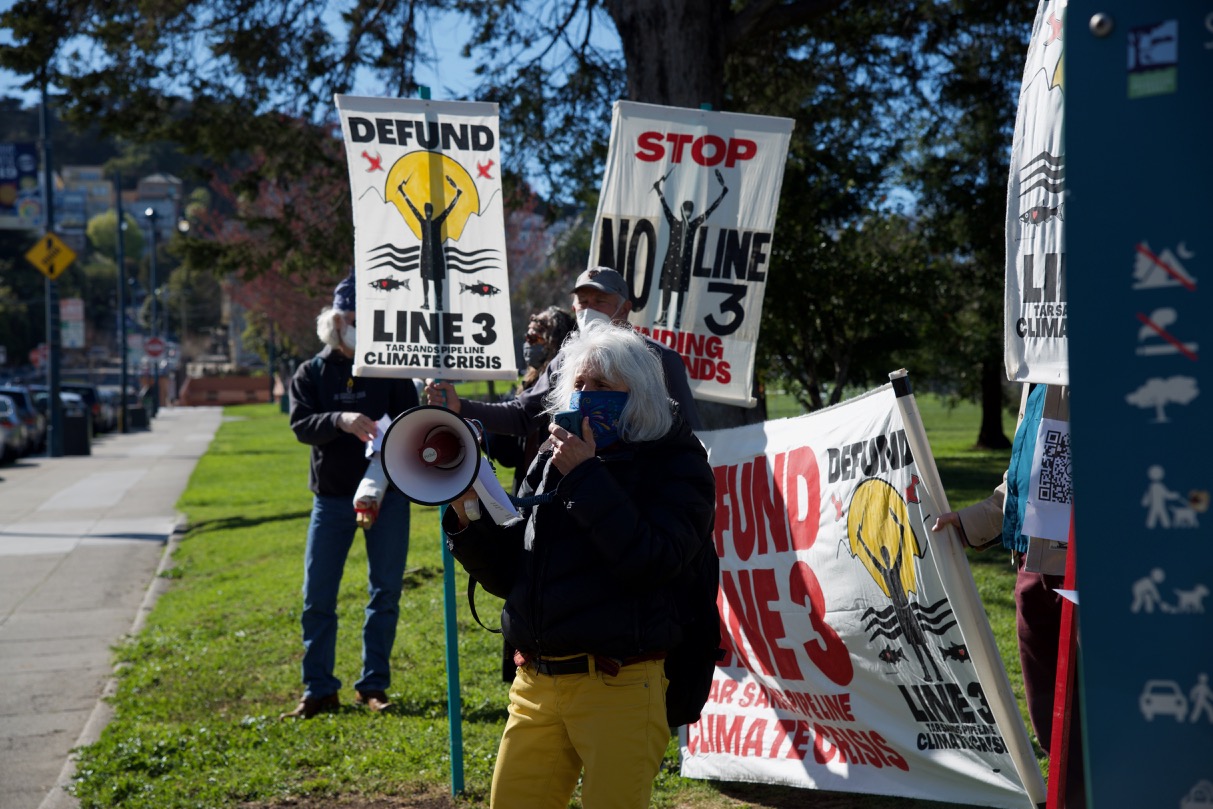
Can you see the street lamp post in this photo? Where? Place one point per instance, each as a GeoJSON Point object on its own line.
{"type": "Point", "coordinates": [150, 213]}
{"type": "Point", "coordinates": [183, 227]}
{"type": "Point", "coordinates": [120, 257]}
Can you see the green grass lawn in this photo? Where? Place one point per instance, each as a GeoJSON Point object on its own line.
{"type": "Point", "coordinates": [200, 690]}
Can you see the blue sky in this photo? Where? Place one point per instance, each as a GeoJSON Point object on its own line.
{"type": "Point", "coordinates": [450, 77]}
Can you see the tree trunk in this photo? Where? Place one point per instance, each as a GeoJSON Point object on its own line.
{"type": "Point", "coordinates": [675, 56]}
{"type": "Point", "coordinates": [990, 435]}
{"type": "Point", "coordinates": [674, 50]}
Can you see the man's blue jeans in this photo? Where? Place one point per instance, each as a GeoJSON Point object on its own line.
{"type": "Point", "coordinates": [329, 537]}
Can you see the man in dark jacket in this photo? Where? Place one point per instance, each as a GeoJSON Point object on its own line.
{"type": "Point", "coordinates": [336, 413]}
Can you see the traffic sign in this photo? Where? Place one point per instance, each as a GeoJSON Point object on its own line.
{"type": "Point", "coordinates": [51, 256]}
{"type": "Point", "coordinates": [154, 346]}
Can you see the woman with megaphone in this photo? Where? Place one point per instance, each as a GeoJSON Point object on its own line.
{"type": "Point", "coordinates": [613, 514]}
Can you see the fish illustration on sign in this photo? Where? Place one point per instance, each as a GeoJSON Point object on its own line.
{"type": "Point", "coordinates": [1040, 214]}
{"type": "Point", "coordinates": [957, 651]}
{"type": "Point", "coordinates": [479, 288]}
{"type": "Point", "coordinates": [891, 655]}
{"type": "Point", "coordinates": [389, 284]}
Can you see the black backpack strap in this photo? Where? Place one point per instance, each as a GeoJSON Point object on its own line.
{"type": "Point", "coordinates": [472, 604]}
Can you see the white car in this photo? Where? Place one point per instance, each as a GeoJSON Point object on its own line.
{"type": "Point", "coordinates": [12, 431]}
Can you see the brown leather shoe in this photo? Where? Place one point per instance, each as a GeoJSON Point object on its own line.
{"type": "Point", "coordinates": [377, 701]}
{"type": "Point", "coordinates": [310, 706]}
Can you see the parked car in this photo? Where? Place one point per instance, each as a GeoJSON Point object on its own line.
{"type": "Point", "coordinates": [35, 422]}
{"type": "Point", "coordinates": [12, 431]}
{"type": "Point", "coordinates": [73, 404]}
{"type": "Point", "coordinates": [111, 405]}
{"type": "Point", "coordinates": [92, 399]}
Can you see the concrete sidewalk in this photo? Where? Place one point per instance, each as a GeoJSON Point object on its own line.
{"type": "Point", "coordinates": [81, 541]}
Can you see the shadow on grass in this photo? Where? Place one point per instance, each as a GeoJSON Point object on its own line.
{"type": "Point", "coordinates": [229, 523]}
{"type": "Point", "coordinates": [430, 708]}
{"type": "Point", "coordinates": [245, 453]}
{"type": "Point", "coordinates": [769, 796]}
{"type": "Point", "coordinates": [417, 576]}
{"type": "Point", "coordinates": [968, 480]}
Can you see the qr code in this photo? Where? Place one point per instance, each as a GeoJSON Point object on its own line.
{"type": "Point", "coordinates": [1055, 481]}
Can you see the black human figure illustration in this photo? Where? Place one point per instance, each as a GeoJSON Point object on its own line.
{"type": "Point", "coordinates": [890, 571]}
{"type": "Point", "coordinates": [433, 259]}
{"type": "Point", "coordinates": [680, 251]}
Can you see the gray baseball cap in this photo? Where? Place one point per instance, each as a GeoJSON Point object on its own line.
{"type": "Point", "coordinates": [603, 278]}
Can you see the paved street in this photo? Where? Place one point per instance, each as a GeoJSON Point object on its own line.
{"type": "Point", "coordinates": [81, 541]}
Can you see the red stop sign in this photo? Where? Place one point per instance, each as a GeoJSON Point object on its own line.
{"type": "Point", "coordinates": [154, 346]}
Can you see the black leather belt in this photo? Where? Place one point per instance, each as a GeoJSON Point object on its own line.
{"type": "Point", "coordinates": [581, 664]}
{"type": "Point", "coordinates": [570, 665]}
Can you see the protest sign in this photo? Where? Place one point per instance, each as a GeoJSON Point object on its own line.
{"type": "Point", "coordinates": [687, 215]}
{"type": "Point", "coordinates": [1035, 321]}
{"type": "Point", "coordinates": [429, 239]}
{"type": "Point", "coordinates": [851, 664]}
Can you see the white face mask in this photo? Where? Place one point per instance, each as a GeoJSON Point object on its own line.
{"type": "Point", "coordinates": [348, 335]}
{"type": "Point", "coordinates": [588, 316]}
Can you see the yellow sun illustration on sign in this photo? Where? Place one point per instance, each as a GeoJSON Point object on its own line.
{"type": "Point", "coordinates": [881, 537]}
{"type": "Point", "coordinates": [431, 186]}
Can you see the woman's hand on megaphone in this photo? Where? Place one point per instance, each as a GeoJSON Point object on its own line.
{"type": "Point", "coordinates": [570, 451]}
{"type": "Point", "coordinates": [442, 394]}
{"type": "Point", "coordinates": [357, 425]}
{"type": "Point", "coordinates": [467, 507]}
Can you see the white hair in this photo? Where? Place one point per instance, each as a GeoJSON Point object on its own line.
{"type": "Point", "coordinates": [619, 354]}
{"type": "Point", "coordinates": [327, 329]}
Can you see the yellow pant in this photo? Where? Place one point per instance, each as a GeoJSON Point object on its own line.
{"type": "Point", "coordinates": [613, 727]}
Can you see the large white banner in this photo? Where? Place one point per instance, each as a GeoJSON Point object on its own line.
{"type": "Point", "coordinates": [846, 666]}
{"type": "Point", "coordinates": [429, 238]}
{"type": "Point", "coordinates": [1035, 319]}
{"type": "Point", "coordinates": [687, 214]}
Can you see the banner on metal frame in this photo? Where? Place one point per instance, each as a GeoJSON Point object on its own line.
{"type": "Point", "coordinates": [846, 666]}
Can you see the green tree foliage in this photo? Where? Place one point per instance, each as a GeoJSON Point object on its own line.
{"type": "Point", "coordinates": [915, 95]}
{"type": "Point", "coordinates": [838, 311]}
{"type": "Point", "coordinates": [959, 171]}
{"type": "Point", "coordinates": [191, 305]}
{"type": "Point", "coordinates": [245, 85]}
{"type": "Point", "coordinates": [22, 298]}
{"type": "Point", "coordinates": [102, 232]}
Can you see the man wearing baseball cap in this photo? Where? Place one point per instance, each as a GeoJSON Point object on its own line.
{"type": "Point", "coordinates": [600, 293]}
{"type": "Point", "coordinates": [336, 413]}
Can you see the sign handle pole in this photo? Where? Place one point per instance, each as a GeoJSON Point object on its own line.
{"type": "Point", "coordinates": [454, 699]}
{"type": "Point", "coordinates": [954, 572]}
{"type": "Point", "coordinates": [1067, 670]}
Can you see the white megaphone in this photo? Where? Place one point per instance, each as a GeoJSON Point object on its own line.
{"type": "Point", "coordinates": [433, 456]}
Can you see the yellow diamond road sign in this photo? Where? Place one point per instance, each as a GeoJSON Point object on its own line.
{"type": "Point", "coordinates": [51, 256]}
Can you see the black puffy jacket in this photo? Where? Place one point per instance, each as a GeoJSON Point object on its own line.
{"type": "Point", "coordinates": [590, 571]}
{"type": "Point", "coordinates": [321, 390]}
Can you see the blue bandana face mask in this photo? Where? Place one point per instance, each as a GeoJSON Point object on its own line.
{"type": "Point", "coordinates": [604, 407]}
